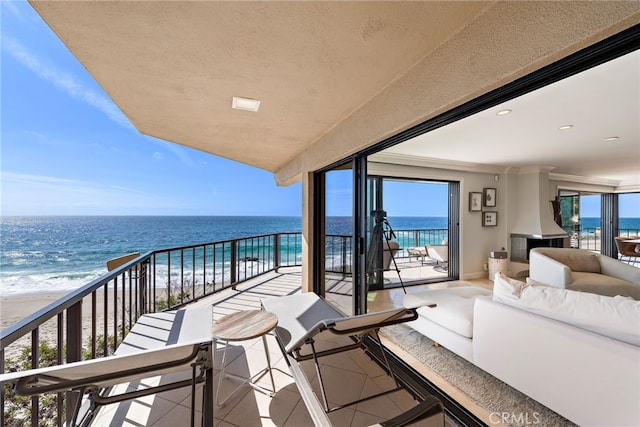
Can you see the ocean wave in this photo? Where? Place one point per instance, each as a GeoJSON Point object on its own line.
{"type": "Point", "coordinates": [48, 282]}
{"type": "Point", "coordinates": [14, 284]}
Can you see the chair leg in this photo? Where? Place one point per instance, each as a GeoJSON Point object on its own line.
{"type": "Point", "coordinates": [320, 382]}
{"type": "Point", "coordinates": [207, 392]}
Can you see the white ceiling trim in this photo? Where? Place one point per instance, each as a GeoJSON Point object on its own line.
{"type": "Point", "coordinates": [426, 162]}
{"type": "Point", "coordinates": [584, 179]}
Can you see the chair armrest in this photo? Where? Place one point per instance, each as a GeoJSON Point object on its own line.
{"type": "Point", "coordinates": [614, 268]}
{"type": "Point", "coordinates": [547, 270]}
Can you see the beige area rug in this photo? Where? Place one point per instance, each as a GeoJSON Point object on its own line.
{"type": "Point", "coordinates": [513, 407]}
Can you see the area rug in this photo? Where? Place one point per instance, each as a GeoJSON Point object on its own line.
{"type": "Point", "coordinates": [504, 403]}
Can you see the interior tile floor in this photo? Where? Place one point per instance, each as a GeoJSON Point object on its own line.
{"type": "Point", "coordinates": [347, 375]}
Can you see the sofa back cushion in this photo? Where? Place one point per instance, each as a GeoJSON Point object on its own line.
{"type": "Point", "coordinates": [587, 263]}
{"type": "Point", "coordinates": [576, 259]}
{"type": "Point", "coordinates": [616, 317]}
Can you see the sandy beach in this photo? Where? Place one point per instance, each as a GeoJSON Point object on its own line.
{"type": "Point", "coordinates": [15, 308]}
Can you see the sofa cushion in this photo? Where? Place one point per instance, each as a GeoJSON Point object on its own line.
{"type": "Point", "coordinates": [454, 310]}
{"type": "Point", "coordinates": [579, 261]}
{"type": "Point", "coordinates": [603, 285]}
{"type": "Point", "coordinates": [616, 317]}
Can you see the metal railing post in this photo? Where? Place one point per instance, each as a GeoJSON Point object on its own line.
{"type": "Point", "coordinates": [74, 348]}
{"type": "Point", "coordinates": [234, 270]}
{"type": "Point", "coordinates": [142, 287]}
{"type": "Point", "coordinates": [276, 251]}
{"type": "Point", "coordinates": [344, 255]}
{"type": "Point", "coordinates": [35, 364]}
{"type": "Point", "coordinates": [2, 401]}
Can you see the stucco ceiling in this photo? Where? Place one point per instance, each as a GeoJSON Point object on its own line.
{"type": "Point", "coordinates": [319, 67]}
{"type": "Point", "coordinates": [173, 67]}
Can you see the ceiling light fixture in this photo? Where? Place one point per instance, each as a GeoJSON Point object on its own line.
{"type": "Point", "coordinates": [612, 138]}
{"type": "Point", "coordinates": [565, 127]}
{"type": "Point", "coordinates": [503, 112]}
{"type": "Point", "coordinates": [246, 104]}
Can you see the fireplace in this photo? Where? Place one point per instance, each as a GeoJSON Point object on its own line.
{"type": "Point", "coordinates": [522, 244]}
{"type": "Point", "coordinates": [535, 225]}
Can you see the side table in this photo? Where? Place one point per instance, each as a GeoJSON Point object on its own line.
{"type": "Point", "coordinates": [242, 326]}
{"type": "Point", "coordinates": [497, 265]}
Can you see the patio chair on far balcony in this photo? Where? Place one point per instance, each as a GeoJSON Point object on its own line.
{"type": "Point", "coordinates": [629, 247]}
{"type": "Point", "coordinates": [114, 263]}
{"type": "Point", "coordinates": [440, 254]}
{"type": "Point", "coordinates": [389, 250]}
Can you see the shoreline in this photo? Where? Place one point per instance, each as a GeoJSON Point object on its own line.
{"type": "Point", "coordinates": [22, 305]}
{"type": "Point", "coordinates": [15, 308]}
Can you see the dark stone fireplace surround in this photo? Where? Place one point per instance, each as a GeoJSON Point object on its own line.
{"type": "Point", "coordinates": [521, 244]}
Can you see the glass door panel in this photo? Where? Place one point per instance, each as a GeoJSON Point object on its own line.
{"type": "Point", "coordinates": [629, 215]}
{"type": "Point", "coordinates": [580, 215]}
{"type": "Point", "coordinates": [417, 220]}
{"type": "Point", "coordinates": [570, 215]}
{"type": "Point", "coordinates": [374, 216]}
{"type": "Point", "coordinates": [338, 238]}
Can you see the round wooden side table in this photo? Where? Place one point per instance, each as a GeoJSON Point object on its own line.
{"type": "Point", "coordinates": [242, 326]}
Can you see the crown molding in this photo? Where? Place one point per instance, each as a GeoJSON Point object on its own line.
{"type": "Point", "coordinates": [585, 179]}
{"type": "Point", "coordinates": [428, 162]}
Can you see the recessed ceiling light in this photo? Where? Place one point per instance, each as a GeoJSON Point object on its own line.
{"type": "Point", "coordinates": [503, 112]}
{"type": "Point", "coordinates": [565, 127]}
{"type": "Point", "coordinates": [612, 138]}
{"type": "Point", "coordinates": [246, 104]}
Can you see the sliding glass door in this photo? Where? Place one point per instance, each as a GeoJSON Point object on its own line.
{"type": "Point", "coordinates": [380, 233]}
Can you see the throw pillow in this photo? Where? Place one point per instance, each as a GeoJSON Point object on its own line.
{"type": "Point", "coordinates": [507, 288]}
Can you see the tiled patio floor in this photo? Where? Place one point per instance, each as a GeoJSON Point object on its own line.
{"type": "Point", "coordinates": [347, 375]}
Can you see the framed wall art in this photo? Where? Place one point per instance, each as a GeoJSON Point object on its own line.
{"type": "Point", "coordinates": [489, 197]}
{"type": "Point", "coordinates": [475, 202]}
{"type": "Point", "coordinates": [489, 219]}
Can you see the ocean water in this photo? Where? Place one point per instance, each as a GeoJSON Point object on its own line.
{"type": "Point", "coordinates": [624, 224]}
{"type": "Point", "coordinates": [51, 254]}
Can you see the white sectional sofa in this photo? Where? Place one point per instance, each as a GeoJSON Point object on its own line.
{"type": "Point", "coordinates": [574, 352]}
{"type": "Point", "coordinates": [583, 270]}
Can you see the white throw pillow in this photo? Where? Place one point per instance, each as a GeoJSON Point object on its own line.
{"type": "Point", "coordinates": [616, 317]}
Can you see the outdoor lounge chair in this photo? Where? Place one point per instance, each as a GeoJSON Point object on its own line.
{"type": "Point", "coordinates": [158, 344]}
{"type": "Point", "coordinates": [304, 318]}
{"type": "Point", "coordinates": [439, 253]}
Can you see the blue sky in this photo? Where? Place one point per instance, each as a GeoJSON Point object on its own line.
{"type": "Point", "coordinates": [68, 150]}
